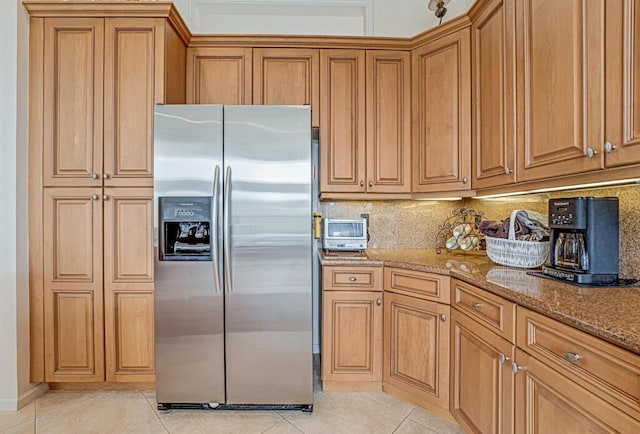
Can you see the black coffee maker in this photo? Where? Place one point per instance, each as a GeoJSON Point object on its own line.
{"type": "Point", "coordinates": [584, 239]}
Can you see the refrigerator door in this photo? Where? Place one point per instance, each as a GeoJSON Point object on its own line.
{"type": "Point", "coordinates": [268, 254]}
{"type": "Point", "coordinates": [189, 313]}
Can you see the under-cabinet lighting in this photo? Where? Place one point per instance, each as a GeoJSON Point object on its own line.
{"type": "Point", "coordinates": [566, 187]}
{"type": "Point", "coordinates": [439, 199]}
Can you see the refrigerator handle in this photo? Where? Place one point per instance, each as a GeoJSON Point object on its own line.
{"type": "Point", "coordinates": [214, 223]}
{"type": "Point", "coordinates": [227, 231]}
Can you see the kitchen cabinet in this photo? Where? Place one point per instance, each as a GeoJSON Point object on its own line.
{"type": "Point", "coordinates": [416, 341]}
{"type": "Point", "coordinates": [560, 87]}
{"type": "Point", "coordinates": [351, 328]}
{"type": "Point", "coordinates": [219, 75]}
{"type": "Point", "coordinates": [622, 83]}
{"type": "Point", "coordinates": [93, 85]}
{"type": "Point", "coordinates": [287, 76]}
{"type": "Point", "coordinates": [493, 95]}
{"type": "Point", "coordinates": [365, 127]}
{"type": "Point", "coordinates": [442, 114]}
{"type": "Point", "coordinates": [482, 348]}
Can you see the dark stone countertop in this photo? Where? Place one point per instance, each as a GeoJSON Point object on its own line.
{"type": "Point", "coordinates": [612, 314]}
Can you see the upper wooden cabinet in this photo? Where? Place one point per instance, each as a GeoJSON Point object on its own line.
{"type": "Point", "coordinates": [287, 76]}
{"type": "Point", "coordinates": [493, 95]}
{"type": "Point", "coordinates": [101, 80]}
{"type": "Point", "coordinates": [623, 83]}
{"type": "Point", "coordinates": [219, 75]}
{"type": "Point", "coordinates": [560, 87]}
{"type": "Point", "coordinates": [365, 122]}
{"type": "Point", "coordinates": [442, 114]}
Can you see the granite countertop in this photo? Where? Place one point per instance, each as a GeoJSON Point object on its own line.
{"type": "Point", "coordinates": [612, 314]}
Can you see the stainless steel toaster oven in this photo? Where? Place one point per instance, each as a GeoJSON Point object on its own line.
{"type": "Point", "coordinates": [344, 234]}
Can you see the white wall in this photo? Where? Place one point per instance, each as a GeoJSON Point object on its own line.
{"type": "Point", "coordinates": [403, 18]}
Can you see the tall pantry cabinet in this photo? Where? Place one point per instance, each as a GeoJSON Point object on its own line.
{"type": "Point", "coordinates": [93, 84]}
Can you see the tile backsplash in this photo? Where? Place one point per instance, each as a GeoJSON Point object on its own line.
{"type": "Point", "coordinates": [414, 224]}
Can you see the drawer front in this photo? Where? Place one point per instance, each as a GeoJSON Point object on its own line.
{"type": "Point", "coordinates": [488, 309]}
{"type": "Point", "coordinates": [336, 278]}
{"type": "Point", "coordinates": [585, 359]}
{"type": "Point", "coordinates": [418, 284]}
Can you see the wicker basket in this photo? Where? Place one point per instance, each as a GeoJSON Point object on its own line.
{"type": "Point", "coordinates": [516, 253]}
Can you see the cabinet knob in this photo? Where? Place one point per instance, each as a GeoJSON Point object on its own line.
{"type": "Point", "coordinates": [503, 359]}
{"type": "Point", "coordinates": [352, 279]}
{"type": "Point", "coordinates": [378, 302]}
{"type": "Point", "coordinates": [105, 197]}
{"type": "Point", "coordinates": [608, 147]}
{"type": "Point", "coordinates": [94, 175]}
{"type": "Point", "coordinates": [361, 183]}
{"type": "Point", "coordinates": [507, 171]}
{"type": "Point", "coordinates": [443, 317]}
{"type": "Point", "coordinates": [572, 357]}
{"type": "Point", "coordinates": [475, 305]}
{"type": "Point", "coordinates": [105, 175]}
{"type": "Point", "coordinates": [94, 197]}
{"type": "Point", "coordinates": [591, 152]}
{"type": "Point", "coordinates": [464, 180]}
{"type": "Point", "coordinates": [515, 368]}
{"type": "Point", "coordinates": [370, 183]}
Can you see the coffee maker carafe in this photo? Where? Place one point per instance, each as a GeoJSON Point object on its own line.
{"type": "Point", "coordinates": [584, 239]}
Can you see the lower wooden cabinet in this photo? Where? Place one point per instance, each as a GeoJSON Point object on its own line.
{"type": "Point", "coordinates": [548, 402]}
{"type": "Point", "coordinates": [482, 386]}
{"type": "Point", "coordinates": [352, 328]}
{"type": "Point", "coordinates": [416, 350]}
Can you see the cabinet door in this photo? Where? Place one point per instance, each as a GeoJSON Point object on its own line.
{"type": "Point", "coordinates": [623, 82]}
{"type": "Point", "coordinates": [560, 87]}
{"type": "Point", "coordinates": [287, 76]}
{"type": "Point", "coordinates": [442, 114]}
{"type": "Point", "coordinates": [547, 402]}
{"type": "Point", "coordinates": [481, 377]}
{"type": "Point", "coordinates": [388, 97]}
{"type": "Point", "coordinates": [342, 126]}
{"type": "Point", "coordinates": [416, 349]}
{"type": "Point", "coordinates": [133, 83]}
{"type": "Point", "coordinates": [72, 101]}
{"type": "Point", "coordinates": [219, 75]}
{"type": "Point", "coordinates": [73, 318]}
{"type": "Point", "coordinates": [493, 95]}
{"type": "Point", "coordinates": [128, 284]}
{"type": "Point", "coordinates": [351, 339]}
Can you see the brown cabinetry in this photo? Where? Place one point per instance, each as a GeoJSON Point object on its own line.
{"type": "Point", "coordinates": [442, 114]}
{"type": "Point", "coordinates": [493, 94]}
{"type": "Point", "coordinates": [219, 75]}
{"type": "Point", "coordinates": [351, 328]}
{"type": "Point", "coordinates": [94, 83]}
{"type": "Point", "coordinates": [416, 345]}
{"type": "Point", "coordinates": [365, 122]}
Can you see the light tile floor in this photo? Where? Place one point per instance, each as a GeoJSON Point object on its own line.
{"type": "Point", "coordinates": [135, 412]}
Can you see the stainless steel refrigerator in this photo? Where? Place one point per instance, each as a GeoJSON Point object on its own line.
{"type": "Point", "coordinates": [233, 265]}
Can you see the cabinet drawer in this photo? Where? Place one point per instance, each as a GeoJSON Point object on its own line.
{"type": "Point", "coordinates": [418, 284]}
{"type": "Point", "coordinates": [587, 360]}
{"type": "Point", "coordinates": [488, 309]}
{"type": "Point", "coordinates": [335, 278]}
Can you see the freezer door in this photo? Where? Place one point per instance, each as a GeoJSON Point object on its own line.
{"type": "Point", "coordinates": [189, 312]}
{"type": "Point", "coordinates": [267, 156]}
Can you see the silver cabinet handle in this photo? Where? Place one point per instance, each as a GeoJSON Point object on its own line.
{"type": "Point", "coordinates": [105, 175]}
{"type": "Point", "coordinates": [105, 197]}
{"type": "Point", "coordinates": [591, 152]}
{"type": "Point", "coordinates": [476, 306]}
{"type": "Point", "coordinates": [515, 368]}
{"type": "Point", "coordinates": [214, 223]}
{"type": "Point", "coordinates": [227, 232]}
{"type": "Point", "coordinates": [443, 317]}
{"type": "Point", "coordinates": [94, 175]}
{"type": "Point", "coordinates": [507, 171]}
{"type": "Point", "coordinates": [94, 197]}
{"type": "Point", "coordinates": [370, 183]}
{"type": "Point", "coordinates": [503, 359]}
{"type": "Point", "coordinates": [378, 302]}
{"type": "Point", "coordinates": [361, 183]}
{"type": "Point", "coordinates": [572, 357]}
{"type": "Point", "coordinates": [608, 147]}
{"type": "Point", "coordinates": [352, 279]}
{"type": "Point", "coordinates": [464, 180]}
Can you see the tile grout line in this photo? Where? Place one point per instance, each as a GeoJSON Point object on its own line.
{"type": "Point", "coordinates": [156, 413]}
